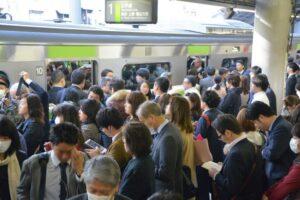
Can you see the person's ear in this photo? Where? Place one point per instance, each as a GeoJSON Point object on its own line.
{"type": "Point", "coordinates": [228, 133]}
{"type": "Point", "coordinates": [260, 118]}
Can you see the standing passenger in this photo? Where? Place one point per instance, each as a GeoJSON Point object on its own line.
{"type": "Point", "coordinates": [58, 83]}
{"type": "Point", "coordinates": [161, 86]}
{"type": "Point", "coordinates": [291, 81]}
{"type": "Point", "coordinates": [259, 87]}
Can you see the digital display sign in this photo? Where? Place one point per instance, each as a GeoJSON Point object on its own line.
{"type": "Point", "coordinates": [131, 12]}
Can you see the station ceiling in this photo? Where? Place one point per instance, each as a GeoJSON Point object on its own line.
{"type": "Point", "coordinates": [249, 4]}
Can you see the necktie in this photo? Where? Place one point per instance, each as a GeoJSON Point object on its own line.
{"type": "Point", "coordinates": [63, 181]}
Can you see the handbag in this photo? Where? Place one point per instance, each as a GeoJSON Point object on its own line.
{"type": "Point", "coordinates": [202, 152]}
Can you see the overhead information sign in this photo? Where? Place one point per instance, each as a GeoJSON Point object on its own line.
{"type": "Point", "coordinates": [131, 12]}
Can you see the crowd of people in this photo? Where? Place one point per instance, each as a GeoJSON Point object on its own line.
{"type": "Point", "coordinates": [216, 136]}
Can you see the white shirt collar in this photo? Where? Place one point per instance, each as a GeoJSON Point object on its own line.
{"type": "Point", "coordinates": [229, 146]}
{"type": "Point", "coordinates": [55, 160]}
{"type": "Point", "coordinates": [115, 137]}
{"type": "Point", "coordinates": [162, 126]}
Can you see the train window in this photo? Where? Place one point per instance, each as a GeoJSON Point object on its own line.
{"type": "Point", "coordinates": [67, 67]}
{"type": "Point", "coordinates": [155, 69]}
{"type": "Point", "coordinates": [231, 62]}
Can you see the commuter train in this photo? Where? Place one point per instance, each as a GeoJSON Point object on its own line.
{"type": "Point", "coordinates": [39, 48]}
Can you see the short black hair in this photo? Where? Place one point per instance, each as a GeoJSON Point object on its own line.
{"type": "Point", "coordinates": [138, 139]}
{"type": "Point", "coordinates": [296, 130]}
{"type": "Point", "coordinates": [97, 90]}
{"type": "Point", "coordinates": [192, 80]}
{"type": "Point", "coordinates": [256, 70]}
{"type": "Point", "coordinates": [227, 122]}
{"type": "Point", "coordinates": [8, 129]}
{"type": "Point", "coordinates": [258, 108]}
{"type": "Point", "coordinates": [90, 107]}
{"type": "Point", "coordinates": [77, 76]}
{"type": "Point", "coordinates": [69, 113]}
{"type": "Point", "coordinates": [117, 84]}
{"type": "Point", "coordinates": [65, 132]}
{"type": "Point", "coordinates": [109, 117]}
{"type": "Point", "coordinates": [143, 72]}
{"type": "Point", "coordinates": [261, 81]}
{"type": "Point", "coordinates": [223, 71]}
{"type": "Point", "coordinates": [165, 195]}
{"type": "Point", "coordinates": [211, 98]}
{"type": "Point", "coordinates": [211, 71]}
{"type": "Point", "coordinates": [240, 61]}
{"type": "Point", "coordinates": [163, 83]}
{"type": "Point", "coordinates": [293, 66]}
{"type": "Point", "coordinates": [57, 76]}
{"type": "Point", "coordinates": [104, 72]}
{"type": "Point", "coordinates": [234, 79]}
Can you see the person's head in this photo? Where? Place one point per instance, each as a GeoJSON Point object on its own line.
{"type": "Point", "coordinates": [245, 84]}
{"type": "Point", "coordinates": [13, 91]}
{"type": "Point", "coordinates": [194, 103]}
{"type": "Point", "coordinates": [104, 84]}
{"type": "Point", "coordinates": [259, 83]}
{"type": "Point", "coordinates": [261, 114]}
{"type": "Point", "coordinates": [189, 82]}
{"type": "Point", "coordinates": [292, 68]}
{"type": "Point", "coordinates": [102, 175]}
{"type": "Point", "coordinates": [150, 114]}
{"type": "Point", "coordinates": [133, 101]}
{"type": "Point", "coordinates": [223, 72]}
{"type": "Point", "coordinates": [58, 78]}
{"type": "Point", "coordinates": [64, 138]}
{"type": "Point", "coordinates": [295, 140]}
{"type": "Point", "coordinates": [78, 78]}
{"type": "Point", "coordinates": [88, 110]}
{"type": "Point", "coordinates": [144, 87]}
{"type": "Point", "coordinates": [211, 71]}
{"type": "Point", "coordinates": [66, 112]}
{"type": "Point", "coordinates": [197, 62]}
{"type": "Point", "coordinates": [239, 65]}
{"type": "Point", "coordinates": [290, 102]}
{"type": "Point", "coordinates": [218, 81]}
{"type": "Point", "coordinates": [210, 99]}
{"type": "Point", "coordinates": [233, 80]}
{"type": "Point", "coordinates": [142, 74]}
{"type": "Point", "coordinates": [167, 75]}
{"type": "Point", "coordinates": [255, 70]}
{"type": "Point", "coordinates": [107, 73]}
{"type": "Point", "coordinates": [163, 101]}
{"type": "Point", "coordinates": [9, 137]}
{"type": "Point", "coordinates": [161, 85]}
{"type": "Point", "coordinates": [110, 120]}
{"type": "Point", "coordinates": [180, 114]}
{"type": "Point", "coordinates": [96, 93]}
{"type": "Point", "coordinates": [246, 124]}
{"type": "Point", "coordinates": [165, 195]}
{"type": "Point", "coordinates": [227, 127]}
{"type": "Point", "coordinates": [4, 84]}
{"type": "Point", "coordinates": [137, 139]}
{"type": "Point", "coordinates": [31, 107]}
{"type": "Point", "coordinates": [116, 84]}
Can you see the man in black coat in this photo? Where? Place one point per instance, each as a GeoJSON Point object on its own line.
{"type": "Point", "coordinates": [292, 70]}
{"type": "Point", "coordinates": [166, 148]}
{"type": "Point", "coordinates": [276, 152]}
{"type": "Point", "coordinates": [58, 83]}
{"type": "Point", "coordinates": [241, 175]}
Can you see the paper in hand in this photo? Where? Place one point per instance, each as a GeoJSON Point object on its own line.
{"type": "Point", "coordinates": [209, 165]}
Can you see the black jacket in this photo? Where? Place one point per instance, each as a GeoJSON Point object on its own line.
{"type": "Point", "coordinates": [237, 167]}
{"type": "Point", "coordinates": [85, 197]}
{"type": "Point", "coordinates": [231, 103]}
{"type": "Point", "coordinates": [73, 93]}
{"type": "Point", "coordinates": [272, 99]}
{"type": "Point", "coordinates": [33, 133]}
{"type": "Point", "coordinates": [276, 152]}
{"type": "Point", "coordinates": [55, 94]}
{"type": "Point", "coordinates": [290, 85]}
{"type": "Point", "coordinates": [138, 178]}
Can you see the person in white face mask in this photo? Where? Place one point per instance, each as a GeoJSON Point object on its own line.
{"type": "Point", "coordinates": [289, 186]}
{"type": "Point", "coordinates": [102, 176]}
{"type": "Point", "coordinates": [11, 159]}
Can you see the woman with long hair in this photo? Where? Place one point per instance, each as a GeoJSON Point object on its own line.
{"type": "Point", "coordinates": [133, 101]}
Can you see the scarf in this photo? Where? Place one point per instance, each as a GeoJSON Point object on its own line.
{"type": "Point", "coordinates": [14, 173]}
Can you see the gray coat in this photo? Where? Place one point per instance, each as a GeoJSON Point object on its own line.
{"type": "Point", "coordinates": [90, 131]}
{"type": "Point", "coordinates": [30, 182]}
{"type": "Point", "coordinates": [167, 156]}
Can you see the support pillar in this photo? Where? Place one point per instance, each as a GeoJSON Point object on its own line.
{"type": "Point", "coordinates": [75, 11]}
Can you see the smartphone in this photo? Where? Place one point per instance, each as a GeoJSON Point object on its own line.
{"type": "Point", "coordinates": [92, 144]}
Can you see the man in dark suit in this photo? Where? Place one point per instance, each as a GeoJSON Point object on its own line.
{"type": "Point", "coordinates": [161, 86]}
{"type": "Point", "coordinates": [58, 83]}
{"type": "Point", "coordinates": [76, 89]}
{"type": "Point", "coordinates": [166, 149]}
{"type": "Point", "coordinates": [241, 175]}
{"type": "Point", "coordinates": [292, 70]}
{"type": "Point", "coordinates": [240, 67]}
{"type": "Point", "coordinates": [57, 174]}
{"type": "Point", "coordinates": [276, 151]}
{"type": "Point", "coordinates": [102, 176]}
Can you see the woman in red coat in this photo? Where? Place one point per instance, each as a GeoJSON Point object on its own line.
{"type": "Point", "coordinates": [288, 186]}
